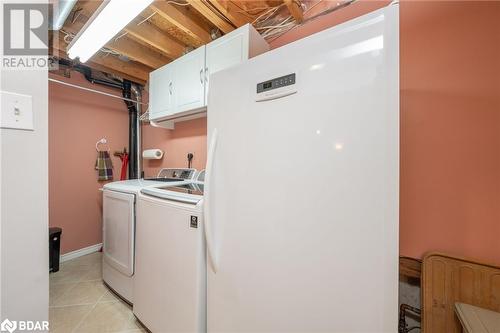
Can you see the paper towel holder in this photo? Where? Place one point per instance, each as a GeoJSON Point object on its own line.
{"type": "Point", "coordinates": [152, 154]}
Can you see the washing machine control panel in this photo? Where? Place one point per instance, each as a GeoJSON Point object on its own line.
{"type": "Point", "coordinates": [181, 174]}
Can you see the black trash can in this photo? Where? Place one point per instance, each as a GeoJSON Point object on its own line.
{"type": "Point", "coordinates": [54, 248]}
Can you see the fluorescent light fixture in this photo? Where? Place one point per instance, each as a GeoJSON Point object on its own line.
{"type": "Point", "coordinates": [108, 20]}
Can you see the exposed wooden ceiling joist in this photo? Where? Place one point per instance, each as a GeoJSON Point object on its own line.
{"type": "Point", "coordinates": [164, 30]}
{"type": "Point", "coordinates": [109, 64]}
{"type": "Point", "coordinates": [204, 8]}
{"type": "Point", "coordinates": [118, 73]}
{"type": "Point", "coordinates": [149, 34]}
{"type": "Point", "coordinates": [168, 29]}
{"type": "Point", "coordinates": [181, 18]}
{"type": "Point", "coordinates": [137, 52]}
{"type": "Point", "coordinates": [125, 47]}
{"type": "Point", "coordinates": [232, 12]}
{"type": "Point", "coordinates": [62, 54]}
{"type": "Point", "coordinates": [90, 5]}
{"type": "Point", "coordinates": [134, 69]}
{"type": "Point", "coordinates": [295, 9]}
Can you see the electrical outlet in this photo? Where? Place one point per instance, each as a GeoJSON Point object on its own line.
{"type": "Point", "coordinates": [190, 159]}
{"type": "Point", "coordinates": [17, 111]}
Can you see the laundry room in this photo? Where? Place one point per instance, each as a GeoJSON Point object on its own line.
{"type": "Point", "coordinates": [250, 166]}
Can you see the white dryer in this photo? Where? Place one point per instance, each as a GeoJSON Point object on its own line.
{"type": "Point", "coordinates": [119, 224]}
{"type": "Point", "coordinates": [170, 277]}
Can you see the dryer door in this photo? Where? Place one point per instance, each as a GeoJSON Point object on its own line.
{"type": "Point", "coordinates": [118, 230]}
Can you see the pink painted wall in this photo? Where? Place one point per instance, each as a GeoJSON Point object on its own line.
{"type": "Point", "coordinates": [450, 124]}
{"type": "Point", "coordinates": [77, 119]}
{"type": "Point", "coordinates": [450, 128]}
{"type": "Point", "coordinates": [189, 136]}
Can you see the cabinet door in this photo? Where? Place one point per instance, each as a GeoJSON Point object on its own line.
{"type": "Point", "coordinates": [226, 52]}
{"type": "Point", "coordinates": [161, 92]}
{"type": "Point", "coordinates": [189, 83]}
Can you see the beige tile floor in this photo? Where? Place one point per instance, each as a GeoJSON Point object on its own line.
{"type": "Point", "coordinates": [80, 302]}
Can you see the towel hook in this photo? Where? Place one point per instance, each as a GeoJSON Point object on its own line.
{"type": "Point", "coordinates": [102, 141]}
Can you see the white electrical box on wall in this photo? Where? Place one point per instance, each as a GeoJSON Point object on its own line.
{"type": "Point", "coordinates": [17, 111]}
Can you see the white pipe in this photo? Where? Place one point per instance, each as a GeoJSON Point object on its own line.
{"type": "Point", "coordinates": [96, 91]}
{"type": "Point", "coordinates": [64, 7]}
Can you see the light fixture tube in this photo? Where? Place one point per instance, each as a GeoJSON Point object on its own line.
{"type": "Point", "coordinates": [108, 20]}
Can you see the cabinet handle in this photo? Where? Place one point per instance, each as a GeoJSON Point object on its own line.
{"type": "Point", "coordinates": [170, 88]}
{"type": "Point", "coordinates": [206, 74]}
{"type": "Point", "coordinates": [201, 76]}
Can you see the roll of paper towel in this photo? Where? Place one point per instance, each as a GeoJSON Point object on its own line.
{"type": "Point", "coordinates": [152, 154]}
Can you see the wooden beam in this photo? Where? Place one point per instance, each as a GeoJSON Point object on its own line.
{"type": "Point", "coordinates": [82, 11]}
{"type": "Point", "coordinates": [295, 9]}
{"type": "Point", "coordinates": [110, 64]}
{"type": "Point", "coordinates": [62, 54]}
{"type": "Point", "coordinates": [127, 47]}
{"type": "Point", "coordinates": [232, 12]}
{"type": "Point", "coordinates": [137, 52]}
{"type": "Point", "coordinates": [180, 18]}
{"type": "Point", "coordinates": [147, 33]}
{"type": "Point", "coordinates": [204, 8]}
{"type": "Point", "coordinates": [133, 69]}
{"type": "Point", "coordinates": [87, 6]}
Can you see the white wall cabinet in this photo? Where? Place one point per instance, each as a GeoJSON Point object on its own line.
{"type": "Point", "coordinates": [232, 49]}
{"type": "Point", "coordinates": [179, 90]}
{"type": "Point", "coordinates": [190, 80]}
{"type": "Point", "coordinates": [161, 98]}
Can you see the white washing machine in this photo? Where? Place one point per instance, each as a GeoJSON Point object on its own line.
{"type": "Point", "coordinates": [119, 224]}
{"type": "Point", "coordinates": [170, 276]}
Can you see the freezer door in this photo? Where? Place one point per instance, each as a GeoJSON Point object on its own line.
{"type": "Point", "coordinates": [118, 230]}
{"type": "Point", "coordinates": [302, 189]}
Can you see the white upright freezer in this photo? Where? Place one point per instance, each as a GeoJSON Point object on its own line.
{"type": "Point", "coordinates": [302, 184]}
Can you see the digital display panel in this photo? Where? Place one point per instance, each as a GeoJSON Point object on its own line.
{"type": "Point", "coordinates": [276, 83]}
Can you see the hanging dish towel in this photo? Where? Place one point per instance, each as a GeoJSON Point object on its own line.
{"type": "Point", "coordinates": [104, 166]}
{"type": "Point", "coordinates": [124, 158]}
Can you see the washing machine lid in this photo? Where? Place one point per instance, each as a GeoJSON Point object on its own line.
{"type": "Point", "coordinates": [171, 176]}
{"type": "Point", "coordinates": [189, 188]}
{"type": "Point", "coordinates": [133, 185]}
{"type": "Point", "coordinates": [191, 192]}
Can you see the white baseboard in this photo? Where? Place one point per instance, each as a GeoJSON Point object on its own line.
{"type": "Point", "coordinates": [81, 252]}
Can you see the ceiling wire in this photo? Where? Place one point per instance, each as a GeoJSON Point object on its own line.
{"type": "Point", "coordinates": [340, 5]}
{"type": "Point", "coordinates": [267, 14]}
{"type": "Point", "coordinates": [120, 36]}
{"type": "Point", "coordinates": [255, 9]}
{"type": "Point", "coordinates": [150, 16]}
{"type": "Point", "coordinates": [218, 12]}
{"type": "Point", "coordinates": [147, 18]}
{"type": "Point", "coordinates": [285, 22]}
{"type": "Point", "coordinates": [178, 3]}
{"type": "Point", "coordinates": [249, 12]}
{"type": "Point", "coordinates": [308, 9]}
{"type": "Point", "coordinates": [76, 15]}
{"type": "Point", "coordinates": [273, 35]}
